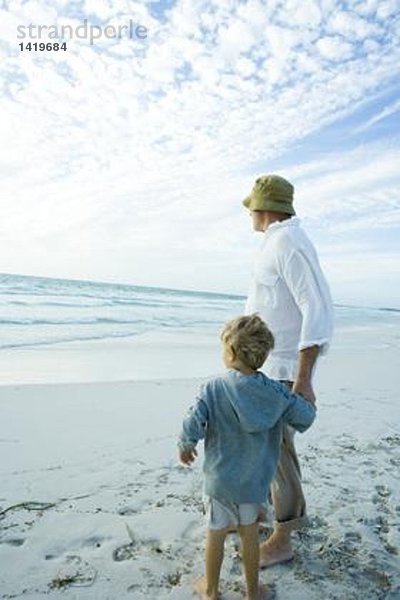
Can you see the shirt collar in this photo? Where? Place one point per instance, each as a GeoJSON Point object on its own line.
{"type": "Point", "coordinates": [292, 222]}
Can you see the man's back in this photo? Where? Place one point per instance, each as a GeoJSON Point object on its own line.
{"type": "Point", "coordinates": [290, 293]}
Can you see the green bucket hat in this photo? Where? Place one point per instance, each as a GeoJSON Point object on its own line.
{"type": "Point", "coordinates": [271, 192]}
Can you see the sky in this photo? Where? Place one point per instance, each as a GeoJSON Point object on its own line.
{"type": "Point", "coordinates": [126, 160]}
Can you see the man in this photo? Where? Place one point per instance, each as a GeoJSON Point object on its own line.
{"type": "Point", "coordinates": [289, 291]}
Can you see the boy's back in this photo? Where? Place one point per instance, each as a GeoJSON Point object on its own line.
{"type": "Point", "coordinates": [241, 417]}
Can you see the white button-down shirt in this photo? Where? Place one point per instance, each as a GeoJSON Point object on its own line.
{"type": "Point", "coordinates": [290, 293]}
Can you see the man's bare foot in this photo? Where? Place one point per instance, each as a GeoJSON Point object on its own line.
{"type": "Point", "coordinates": [200, 587]}
{"type": "Point", "coordinates": [262, 594]}
{"type": "Point", "coordinates": [274, 553]}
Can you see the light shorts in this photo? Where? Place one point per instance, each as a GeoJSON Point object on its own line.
{"type": "Point", "coordinates": [222, 514]}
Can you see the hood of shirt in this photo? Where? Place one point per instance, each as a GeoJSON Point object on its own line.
{"type": "Point", "coordinates": [257, 400]}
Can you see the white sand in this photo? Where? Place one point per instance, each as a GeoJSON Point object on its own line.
{"type": "Point", "coordinates": [153, 355]}
{"type": "Point", "coordinates": [102, 457]}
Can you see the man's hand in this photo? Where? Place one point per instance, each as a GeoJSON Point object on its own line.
{"type": "Point", "coordinates": [304, 388]}
{"type": "Point", "coordinates": [302, 384]}
{"type": "Point", "coordinates": [188, 456]}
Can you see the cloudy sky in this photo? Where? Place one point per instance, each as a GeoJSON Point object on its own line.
{"type": "Point", "coordinates": [126, 160]}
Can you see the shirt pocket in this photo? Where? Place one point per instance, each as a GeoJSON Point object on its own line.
{"type": "Point", "coordinates": [269, 284]}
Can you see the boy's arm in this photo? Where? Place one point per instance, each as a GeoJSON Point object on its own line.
{"type": "Point", "coordinates": [193, 429]}
{"type": "Point", "coordinates": [300, 414]}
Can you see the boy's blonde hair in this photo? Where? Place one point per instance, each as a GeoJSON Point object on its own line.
{"type": "Point", "coordinates": [249, 339]}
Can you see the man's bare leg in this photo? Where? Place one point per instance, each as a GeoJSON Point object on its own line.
{"type": "Point", "coordinates": [207, 587]}
{"type": "Point", "coordinates": [277, 549]}
{"type": "Point", "coordinates": [289, 504]}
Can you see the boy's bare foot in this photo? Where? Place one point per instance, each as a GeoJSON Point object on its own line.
{"type": "Point", "coordinates": [273, 553]}
{"type": "Point", "coordinates": [262, 594]}
{"type": "Point", "coordinates": [200, 587]}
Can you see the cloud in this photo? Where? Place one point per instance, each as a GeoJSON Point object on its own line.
{"type": "Point", "coordinates": [352, 26]}
{"type": "Point", "coordinates": [387, 111]}
{"type": "Point", "coordinates": [334, 48]}
{"type": "Point", "coordinates": [303, 14]}
{"type": "Point", "coordinates": [235, 39]}
{"type": "Point", "coordinates": [353, 190]}
{"type": "Point", "coordinates": [386, 9]}
{"type": "Point", "coordinates": [117, 149]}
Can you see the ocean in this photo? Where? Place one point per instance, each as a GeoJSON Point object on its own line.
{"type": "Point", "coordinates": [37, 311]}
{"type": "Point", "coordinates": [59, 330]}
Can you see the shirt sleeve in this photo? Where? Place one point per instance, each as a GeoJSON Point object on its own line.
{"type": "Point", "coordinates": [311, 294]}
{"type": "Point", "coordinates": [195, 424]}
{"type": "Point", "coordinates": [300, 414]}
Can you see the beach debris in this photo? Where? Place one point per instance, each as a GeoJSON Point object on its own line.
{"type": "Point", "coordinates": [392, 440]}
{"type": "Point", "coordinates": [377, 576]}
{"type": "Point", "coordinates": [125, 552]}
{"type": "Point", "coordinates": [76, 573]}
{"type": "Point", "coordinates": [130, 533]}
{"type": "Point", "coordinates": [383, 491]}
{"type": "Point", "coordinates": [174, 579]}
{"type": "Point", "coordinates": [32, 505]}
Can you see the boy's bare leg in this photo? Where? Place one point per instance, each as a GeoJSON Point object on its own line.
{"type": "Point", "coordinates": [251, 557]}
{"type": "Point", "coordinates": [207, 587]}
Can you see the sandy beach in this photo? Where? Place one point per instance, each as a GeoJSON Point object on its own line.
{"type": "Point", "coordinates": [94, 505]}
{"type": "Point", "coordinates": [168, 166]}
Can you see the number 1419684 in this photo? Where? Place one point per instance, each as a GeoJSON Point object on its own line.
{"type": "Point", "coordinates": [41, 46]}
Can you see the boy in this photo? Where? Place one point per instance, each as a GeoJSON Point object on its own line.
{"type": "Point", "coordinates": [240, 415]}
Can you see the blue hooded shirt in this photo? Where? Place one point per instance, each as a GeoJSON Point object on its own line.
{"type": "Point", "coordinates": [240, 417]}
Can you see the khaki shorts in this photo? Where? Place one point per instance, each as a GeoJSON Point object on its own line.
{"type": "Point", "coordinates": [221, 514]}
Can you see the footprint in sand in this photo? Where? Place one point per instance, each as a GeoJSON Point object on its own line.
{"type": "Point", "coordinates": [381, 497]}
{"type": "Point", "coordinates": [125, 552]}
{"type": "Point", "coordinates": [127, 510]}
{"type": "Point", "coordinates": [382, 523]}
{"type": "Point", "coordinates": [75, 573]}
{"type": "Point", "coordinates": [93, 542]}
{"type": "Point", "coordinates": [14, 541]}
